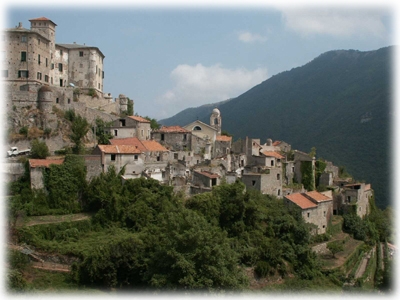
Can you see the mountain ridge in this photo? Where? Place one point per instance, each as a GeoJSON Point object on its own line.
{"type": "Point", "coordinates": [339, 103]}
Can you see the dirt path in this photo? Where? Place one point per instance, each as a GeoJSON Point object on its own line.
{"type": "Point", "coordinates": [364, 263]}
{"type": "Point", "coordinates": [54, 219]}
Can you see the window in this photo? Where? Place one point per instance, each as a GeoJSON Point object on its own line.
{"type": "Point", "coordinates": [47, 62]}
{"type": "Point", "coordinates": [38, 41]}
{"type": "Point", "coordinates": [293, 169]}
{"type": "Point", "coordinates": [23, 74]}
{"type": "Point", "coordinates": [308, 215]}
{"type": "Point", "coordinates": [324, 213]}
{"type": "Point", "coordinates": [115, 132]}
{"type": "Point", "coordinates": [69, 100]}
{"type": "Point", "coordinates": [158, 158]}
{"type": "Point", "coordinates": [38, 59]}
{"type": "Point", "coordinates": [272, 162]}
{"type": "Point", "coordinates": [185, 137]}
{"type": "Point", "coordinates": [60, 67]}
{"type": "Point", "coordinates": [103, 74]}
{"type": "Point", "coordinates": [39, 76]}
{"type": "Point", "coordinates": [162, 136]}
{"type": "Point", "coordinates": [175, 155]}
{"type": "Point", "coordinates": [253, 182]}
{"type": "Point", "coordinates": [57, 100]}
{"type": "Point", "coordinates": [136, 157]}
{"type": "Point", "coordinates": [278, 176]}
{"type": "Point", "coordinates": [197, 128]}
{"type": "Point", "coordinates": [52, 66]}
{"type": "Point", "coordinates": [61, 82]}
{"type": "Point", "coordinates": [23, 55]}
{"type": "Point", "coordinates": [122, 122]}
{"type": "Point", "coordinates": [24, 39]}
{"type": "Point", "coordinates": [112, 157]}
{"type": "Point", "coordinates": [61, 52]}
{"type": "Point", "coordinates": [80, 53]}
{"type": "Point", "coordinates": [279, 192]}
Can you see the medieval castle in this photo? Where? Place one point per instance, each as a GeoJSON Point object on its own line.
{"type": "Point", "coordinates": [42, 77]}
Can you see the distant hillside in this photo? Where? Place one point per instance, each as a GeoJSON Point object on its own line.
{"type": "Point", "coordinates": [191, 114]}
{"type": "Point", "coordinates": [339, 103]}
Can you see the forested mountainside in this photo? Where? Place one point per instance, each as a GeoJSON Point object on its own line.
{"type": "Point", "coordinates": [340, 103]}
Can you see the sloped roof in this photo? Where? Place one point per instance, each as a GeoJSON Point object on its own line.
{"type": "Point", "coordinates": [42, 19]}
{"type": "Point", "coordinates": [301, 201]}
{"type": "Point", "coordinates": [276, 143]}
{"type": "Point", "coordinates": [273, 154]}
{"type": "Point", "coordinates": [151, 145]}
{"type": "Point", "coordinates": [318, 196]}
{"type": "Point", "coordinates": [44, 163]}
{"type": "Point", "coordinates": [139, 119]}
{"type": "Point", "coordinates": [208, 174]}
{"type": "Point", "coordinates": [172, 129]}
{"type": "Point", "coordinates": [119, 149]}
{"type": "Point", "coordinates": [224, 138]}
{"type": "Point", "coordinates": [131, 141]}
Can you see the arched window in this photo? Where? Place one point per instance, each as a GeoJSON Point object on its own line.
{"type": "Point", "coordinates": [197, 128]}
{"type": "Point", "coordinates": [216, 121]}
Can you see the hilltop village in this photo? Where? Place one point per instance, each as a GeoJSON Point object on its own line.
{"type": "Point", "coordinates": [43, 77]}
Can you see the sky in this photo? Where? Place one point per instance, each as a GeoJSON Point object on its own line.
{"type": "Point", "coordinates": [168, 56]}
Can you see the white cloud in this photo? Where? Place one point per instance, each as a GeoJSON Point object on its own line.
{"type": "Point", "coordinates": [198, 85]}
{"type": "Point", "coordinates": [248, 37]}
{"type": "Point", "coordinates": [333, 21]}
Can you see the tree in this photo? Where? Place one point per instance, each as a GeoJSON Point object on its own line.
{"type": "Point", "coordinates": [335, 247]}
{"type": "Point", "coordinates": [153, 123]}
{"type": "Point", "coordinates": [103, 138]}
{"type": "Point", "coordinates": [79, 128]}
{"type": "Point", "coordinates": [39, 149]}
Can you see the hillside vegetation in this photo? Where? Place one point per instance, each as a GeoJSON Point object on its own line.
{"type": "Point", "coordinates": [140, 235]}
{"type": "Point", "coordinates": [338, 103]}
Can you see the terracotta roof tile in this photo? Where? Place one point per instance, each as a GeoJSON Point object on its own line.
{"type": "Point", "coordinates": [273, 154]}
{"type": "Point", "coordinates": [208, 174]}
{"type": "Point", "coordinates": [301, 201]}
{"type": "Point", "coordinates": [37, 163]}
{"type": "Point", "coordinates": [139, 119]}
{"type": "Point", "coordinates": [177, 129]}
{"type": "Point", "coordinates": [318, 196]}
{"type": "Point", "coordinates": [276, 143]}
{"type": "Point", "coordinates": [224, 138]}
{"type": "Point", "coordinates": [151, 145]}
{"type": "Point", "coordinates": [132, 141]}
{"type": "Point", "coordinates": [119, 149]}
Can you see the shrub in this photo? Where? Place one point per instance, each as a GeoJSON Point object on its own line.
{"type": "Point", "coordinates": [262, 269]}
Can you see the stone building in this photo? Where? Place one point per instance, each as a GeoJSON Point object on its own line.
{"type": "Point", "coordinates": [223, 145]}
{"type": "Point", "coordinates": [33, 57]}
{"type": "Point", "coordinates": [316, 208]}
{"type": "Point", "coordinates": [175, 138]}
{"type": "Point", "coordinates": [301, 159]}
{"type": "Point", "coordinates": [354, 197]}
{"type": "Point", "coordinates": [36, 167]}
{"type": "Point", "coordinates": [266, 180]}
{"type": "Point", "coordinates": [202, 178]}
{"type": "Point", "coordinates": [130, 126]}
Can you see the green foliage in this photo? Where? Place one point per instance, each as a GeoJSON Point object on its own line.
{"type": "Point", "coordinates": [153, 123]}
{"type": "Point", "coordinates": [103, 138]}
{"type": "Point", "coordinates": [39, 149]}
{"type": "Point", "coordinates": [24, 130]}
{"type": "Point", "coordinates": [79, 128]}
{"type": "Point", "coordinates": [335, 247]}
{"type": "Point", "coordinates": [92, 93]}
{"type": "Point", "coordinates": [307, 178]}
{"type": "Point", "coordinates": [130, 107]}
{"type": "Point", "coordinates": [262, 269]}
{"type": "Point", "coordinates": [320, 166]}
{"type": "Point", "coordinates": [65, 183]}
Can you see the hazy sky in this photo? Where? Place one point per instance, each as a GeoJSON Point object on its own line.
{"type": "Point", "coordinates": [171, 57]}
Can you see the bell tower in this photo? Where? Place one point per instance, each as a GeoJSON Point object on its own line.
{"type": "Point", "coordinates": [215, 120]}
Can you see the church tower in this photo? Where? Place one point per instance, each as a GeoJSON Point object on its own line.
{"type": "Point", "coordinates": [215, 120]}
